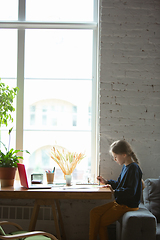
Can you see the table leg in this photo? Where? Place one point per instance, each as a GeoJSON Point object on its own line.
{"type": "Point", "coordinates": [56, 221]}
{"type": "Point", "coordinates": [61, 220]}
{"type": "Point", "coordinates": [34, 217]}
{"type": "Point", "coordinates": [35, 212]}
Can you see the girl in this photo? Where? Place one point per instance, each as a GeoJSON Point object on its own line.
{"type": "Point", "coordinates": [126, 190]}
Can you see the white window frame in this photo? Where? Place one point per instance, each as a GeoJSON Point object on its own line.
{"type": "Point", "coordinates": [21, 25]}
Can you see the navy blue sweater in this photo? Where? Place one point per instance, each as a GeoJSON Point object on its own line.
{"type": "Point", "coordinates": [128, 186]}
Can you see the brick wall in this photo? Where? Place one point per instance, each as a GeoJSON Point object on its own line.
{"type": "Point", "coordinates": [130, 81]}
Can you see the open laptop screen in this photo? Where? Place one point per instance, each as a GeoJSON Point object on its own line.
{"type": "Point", "coordinates": [23, 175]}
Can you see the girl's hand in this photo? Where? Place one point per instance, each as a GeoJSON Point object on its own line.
{"type": "Point", "coordinates": [102, 180]}
{"type": "Point", "coordinates": [109, 186]}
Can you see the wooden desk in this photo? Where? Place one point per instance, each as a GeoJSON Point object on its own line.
{"type": "Point", "coordinates": [51, 197]}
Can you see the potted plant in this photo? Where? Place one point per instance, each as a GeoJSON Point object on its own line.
{"type": "Point", "coordinates": [8, 164]}
{"type": "Point", "coordinates": [8, 159]}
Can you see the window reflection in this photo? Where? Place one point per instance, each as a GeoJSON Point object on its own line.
{"type": "Point", "coordinates": [56, 113]}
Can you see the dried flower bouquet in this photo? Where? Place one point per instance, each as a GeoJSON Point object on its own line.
{"type": "Point", "coordinates": [66, 160]}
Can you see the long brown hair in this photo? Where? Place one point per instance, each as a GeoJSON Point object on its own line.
{"type": "Point", "coordinates": [123, 147]}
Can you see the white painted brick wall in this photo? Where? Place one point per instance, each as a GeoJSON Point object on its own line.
{"type": "Point", "coordinates": [130, 82]}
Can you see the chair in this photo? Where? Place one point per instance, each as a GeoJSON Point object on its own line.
{"type": "Point", "coordinates": [21, 234]}
{"type": "Point", "coordinates": [145, 222]}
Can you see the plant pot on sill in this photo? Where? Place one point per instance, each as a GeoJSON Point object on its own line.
{"type": "Point", "coordinates": [7, 176]}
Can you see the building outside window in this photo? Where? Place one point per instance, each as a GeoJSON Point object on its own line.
{"type": "Point", "coordinates": [56, 72]}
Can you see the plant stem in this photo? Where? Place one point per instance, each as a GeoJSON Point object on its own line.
{"type": "Point", "coordinates": [9, 142]}
{"type": "Point", "coordinates": [10, 130]}
{"type": "Point", "coordinates": [0, 136]}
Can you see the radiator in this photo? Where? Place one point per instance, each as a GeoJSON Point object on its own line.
{"type": "Point", "coordinates": [22, 216]}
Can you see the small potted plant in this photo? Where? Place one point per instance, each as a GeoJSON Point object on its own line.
{"type": "Point", "coordinates": [8, 164]}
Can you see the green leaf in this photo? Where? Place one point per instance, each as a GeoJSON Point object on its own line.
{"type": "Point", "coordinates": [6, 103]}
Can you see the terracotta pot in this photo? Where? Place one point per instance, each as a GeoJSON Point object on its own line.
{"type": "Point", "coordinates": [7, 176]}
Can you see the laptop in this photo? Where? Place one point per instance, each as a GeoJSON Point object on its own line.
{"type": "Point", "coordinates": [24, 180]}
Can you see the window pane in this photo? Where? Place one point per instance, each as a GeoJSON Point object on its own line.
{"type": "Point", "coordinates": [61, 117]}
{"type": "Point", "coordinates": [8, 53]}
{"type": "Point", "coordinates": [8, 10]}
{"type": "Point", "coordinates": [59, 10]}
{"type": "Point", "coordinates": [58, 54]}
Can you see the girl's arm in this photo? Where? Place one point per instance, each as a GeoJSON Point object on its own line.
{"type": "Point", "coordinates": [114, 183]}
{"type": "Point", "coordinates": [111, 183]}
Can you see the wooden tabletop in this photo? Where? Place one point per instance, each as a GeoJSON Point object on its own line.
{"type": "Point", "coordinates": [73, 192]}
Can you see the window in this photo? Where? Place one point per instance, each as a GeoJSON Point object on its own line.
{"type": "Point", "coordinates": [56, 71]}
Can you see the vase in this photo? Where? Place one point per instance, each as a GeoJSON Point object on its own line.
{"type": "Point", "coordinates": [68, 179]}
{"type": "Point", "coordinates": [7, 176]}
